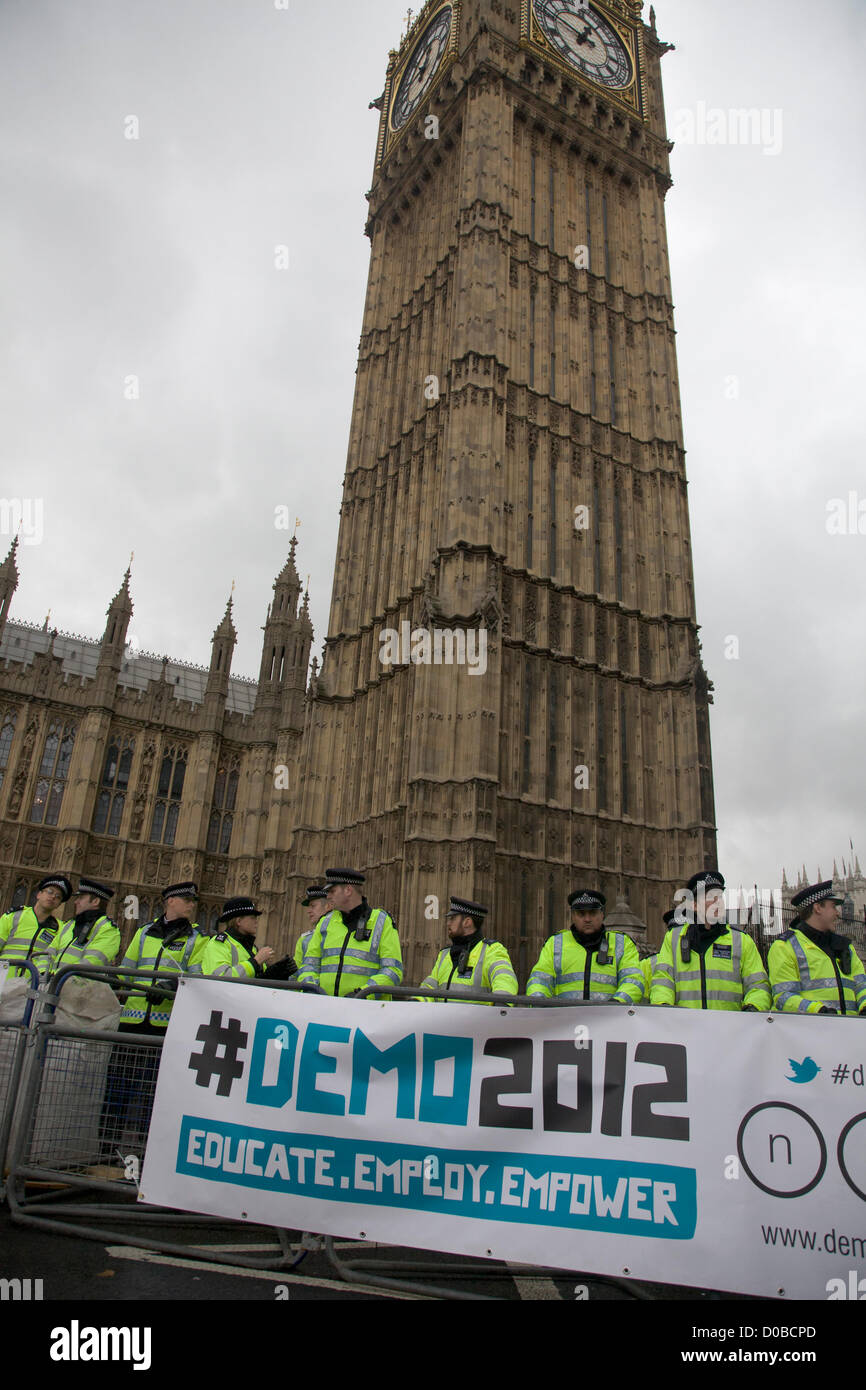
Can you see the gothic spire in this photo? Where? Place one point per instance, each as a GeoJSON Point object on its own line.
{"type": "Point", "coordinates": [8, 583]}
{"type": "Point", "coordinates": [8, 569]}
{"type": "Point", "coordinates": [227, 627]}
{"type": "Point", "coordinates": [122, 601]}
{"type": "Point", "coordinates": [118, 614]}
{"type": "Point", "coordinates": [222, 649]}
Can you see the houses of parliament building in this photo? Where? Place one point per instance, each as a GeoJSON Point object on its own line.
{"type": "Point", "coordinates": [141, 771]}
{"type": "Point", "coordinates": [515, 469]}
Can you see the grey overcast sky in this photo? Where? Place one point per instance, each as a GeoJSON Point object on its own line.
{"type": "Point", "coordinates": [154, 258]}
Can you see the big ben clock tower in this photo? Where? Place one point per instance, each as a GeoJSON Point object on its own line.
{"type": "Point", "coordinates": [515, 488]}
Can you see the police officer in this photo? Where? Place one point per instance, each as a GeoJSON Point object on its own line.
{"type": "Point", "coordinates": [705, 964]}
{"type": "Point", "coordinates": [353, 945]}
{"type": "Point", "coordinates": [90, 937]}
{"type": "Point", "coordinates": [814, 970]}
{"type": "Point", "coordinates": [173, 944]}
{"type": "Point", "coordinates": [315, 902]}
{"type": "Point", "coordinates": [588, 961]}
{"type": "Point", "coordinates": [473, 960]}
{"type": "Point", "coordinates": [647, 963]}
{"type": "Point", "coordinates": [232, 953]}
{"type": "Point", "coordinates": [30, 933]}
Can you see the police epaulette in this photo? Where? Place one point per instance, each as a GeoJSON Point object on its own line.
{"type": "Point", "coordinates": [220, 937]}
{"type": "Point", "coordinates": [786, 935]}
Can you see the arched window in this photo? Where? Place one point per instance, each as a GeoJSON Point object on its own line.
{"type": "Point", "coordinates": [225, 791]}
{"type": "Point", "coordinates": [53, 771]}
{"type": "Point", "coordinates": [169, 793]}
{"type": "Point", "coordinates": [115, 781]}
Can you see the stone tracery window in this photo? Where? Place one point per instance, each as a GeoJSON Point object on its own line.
{"type": "Point", "coordinates": [219, 834]}
{"type": "Point", "coordinates": [169, 793]}
{"type": "Point", "coordinates": [53, 771]}
{"type": "Point", "coordinates": [115, 782]}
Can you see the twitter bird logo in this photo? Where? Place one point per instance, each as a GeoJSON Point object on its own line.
{"type": "Point", "coordinates": [803, 1071]}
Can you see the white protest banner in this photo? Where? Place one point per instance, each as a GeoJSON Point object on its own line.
{"type": "Point", "coordinates": [717, 1150]}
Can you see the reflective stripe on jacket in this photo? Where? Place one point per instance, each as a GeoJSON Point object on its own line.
{"type": "Point", "coordinates": [728, 975]}
{"type": "Point", "coordinates": [99, 946]}
{"type": "Point", "coordinates": [230, 959]}
{"type": "Point", "coordinates": [339, 963]}
{"type": "Point", "coordinates": [24, 937]}
{"type": "Point", "coordinates": [181, 956]}
{"type": "Point", "coordinates": [566, 970]}
{"type": "Point", "coordinates": [301, 946]}
{"type": "Point", "coordinates": [805, 979]}
{"type": "Point", "coordinates": [647, 964]}
{"type": "Point", "coordinates": [488, 967]}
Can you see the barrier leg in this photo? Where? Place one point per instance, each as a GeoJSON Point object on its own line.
{"type": "Point", "coordinates": [350, 1271]}
{"type": "Point", "coordinates": [359, 1272]}
{"type": "Point", "coordinates": [61, 1130]}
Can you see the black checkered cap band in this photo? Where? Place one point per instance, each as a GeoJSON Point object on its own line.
{"type": "Point", "coordinates": [180, 890]}
{"type": "Point", "coordinates": [465, 908]}
{"type": "Point", "coordinates": [586, 898]}
{"type": "Point", "coordinates": [238, 907]}
{"type": "Point", "coordinates": [313, 894]}
{"type": "Point", "coordinates": [709, 879]}
{"type": "Point", "coordinates": [56, 881]}
{"type": "Point", "coordinates": [96, 890]}
{"type": "Point", "coordinates": [350, 876]}
{"type": "Point", "coordinates": [816, 893]}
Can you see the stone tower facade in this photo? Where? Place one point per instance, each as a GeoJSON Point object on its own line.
{"type": "Point", "coordinates": [516, 483]}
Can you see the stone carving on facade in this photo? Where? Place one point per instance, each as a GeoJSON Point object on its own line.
{"type": "Point", "coordinates": [42, 667]}
{"type": "Point", "coordinates": [142, 790]}
{"type": "Point", "coordinates": [554, 622]}
{"type": "Point", "coordinates": [22, 772]}
{"type": "Point", "coordinates": [531, 616]}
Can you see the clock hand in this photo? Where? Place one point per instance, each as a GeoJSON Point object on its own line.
{"type": "Point", "coordinates": [578, 38]}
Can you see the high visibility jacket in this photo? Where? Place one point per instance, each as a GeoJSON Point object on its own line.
{"type": "Point", "coordinates": [301, 946]}
{"type": "Point", "coordinates": [488, 966]}
{"type": "Point", "coordinates": [232, 957]}
{"type": "Point", "coordinates": [176, 948]}
{"type": "Point", "coordinates": [647, 964]}
{"type": "Point", "coordinates": [98, 944]}
{"type": "Point", "coordinates": [339, 963]}
{"type": "Point", "coordinates": [567, 970]}
{"type": "Point", "coordinates": [728, 975]}
{"type": "Point", "coordinates": [24, 937]}
{"type": "Point", "coordinates": [805, 978]}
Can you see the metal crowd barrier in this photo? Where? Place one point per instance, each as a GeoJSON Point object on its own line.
{"type": "Point", "coordinates": [13, 1038]}
{"type": "Point", "coordinates": [82, 1119]}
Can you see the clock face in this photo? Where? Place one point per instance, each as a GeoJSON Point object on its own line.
{"type": "Point", "coordinates": [585, 40]}
{"type": "Point", "coordinates": [422, 68]}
